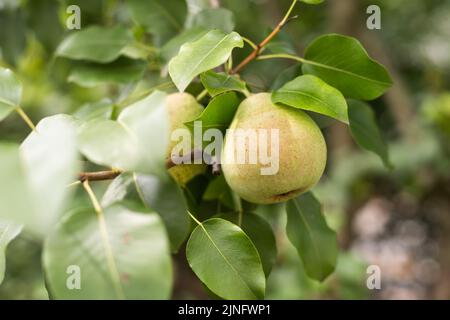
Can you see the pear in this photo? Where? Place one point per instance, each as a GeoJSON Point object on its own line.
{"type": "Point", "coordinates": [182, 107]}
{"type": "Point", "coordinates": [301, 157]}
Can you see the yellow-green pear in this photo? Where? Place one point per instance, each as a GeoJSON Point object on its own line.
{"type": "Point", "coordinates": [182, 107]}
{"type": "Point", "coordinates": [301, 152]}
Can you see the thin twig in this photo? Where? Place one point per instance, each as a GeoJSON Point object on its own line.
{"type": "Point", "coordinates": [255, 53]}
{"type": "Point", "coordinates": [25, 118]}
{"type": "Point", "coordinates": [106, 242]}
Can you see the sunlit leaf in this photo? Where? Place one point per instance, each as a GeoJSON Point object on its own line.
{"type": "Point", "coordinates": [171, 48]}
{"type": "Point", "coordinates": [129, 260]}
{"type": "Point", "coordinates": [50, 159]}
{"type": "Point", "coordinates": [137, 141]}
{"type": "Point", "coordinates": [311, 93]}
{"type": "Point", "coordinates": [8, 231]}
{"type": "Point", "coordinates": [260, 233]}
{"type": "Point", "coordinates": [204, 54]}
{"type": "Point", "coordinates": [217, 83]}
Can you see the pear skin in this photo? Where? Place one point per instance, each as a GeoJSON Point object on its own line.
{"type": "Point", "coordinates": [183, 107]}
{"type": "Point", "coordinates": [302, 152]}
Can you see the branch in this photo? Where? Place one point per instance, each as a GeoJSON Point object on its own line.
{"type": "Point", "coordinates": [255, 53]}
{"type": "Point", "coordinates": [98, 176]}
{"type": "Point", "coordinates": [188, 158]}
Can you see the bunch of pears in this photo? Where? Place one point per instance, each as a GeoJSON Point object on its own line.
{"type": "Point", "coordinates": [302, 150]}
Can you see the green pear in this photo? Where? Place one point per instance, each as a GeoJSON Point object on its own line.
{"type": "Point", "coordinates": [302, 152]}
{"type": "Point", "coordinates": [182, 107]}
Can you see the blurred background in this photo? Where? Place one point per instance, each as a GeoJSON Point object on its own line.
{"type": "Point", "coordinates": [398, 220]}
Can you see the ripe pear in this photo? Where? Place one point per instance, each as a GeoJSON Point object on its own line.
{"type": "Point", "coordinates": [302, 152]}
{"type": "Point", "coordinates": [182, 107]}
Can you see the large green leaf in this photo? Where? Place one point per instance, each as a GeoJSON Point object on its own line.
{"type": "Point", "coordinates": [311, 93]}
{"type": "Point", "coordinates": [160, 194]}
{"type": "Point", "coordinates": [130, 259]}
{"type": "Point", "coordinates": [343, 62]}
{"type": "Point", "coordinates": [162, 18]}
{"type": "Point", "coordinates": [225, 260]}
{"type": "Point", "coordinates": [122, 188]}
{"type": "Point", "coordinates": [10, 92]}
{"type": "Point", "coordinates": [98, 44]}
{"type": "Point", "coordinates": [166, 198]}
{"type": "Point", "coordinates": [260, 233]}
{"type": "Point", "coordinates": [34, 177]}
{"type": "Point", "coordinates": [121, 71]}
{"type": "Point", "coordinates": [50, 159]}
{"type": "Point", "coordinates": [8, 231]}
{"type": "Point", "coordinates": [365, 131]}
{"type": "Point", "coordinates": [219, 113]}
{"type": "Point", "coordinates": [204, 54]}
{"type": "Point", "coordinates": [137, 141]}
{"type": "Point", "coordinates": [171, 48]}
{"type": "Point", "coordinates": [217, 83]}
{"type": "Point", "coordinates": [308, 231]}
{"type": "Point", "coordinates": [15, 196]}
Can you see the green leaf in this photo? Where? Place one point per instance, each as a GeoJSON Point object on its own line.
{"type": "Point", "coordinates": [15, 195]}
{"type": "Point", "coordinates": [50, 159]}
{"type": "Point", "coordinates": [121, 71]}
{"type": "Point", "coordinates": [308, 231]}
{"type": "Point", "coordinates": [137, 141]}
{"type": "Point", "coordinates": [214, 18]}
{"type": "Point", "coordinates": [343, 63]}
{"type": "Point", "coordinates": [162, 18]}
{"type": "Point", "coordinates": [166, 198]}
{"type": "Point", "coordinates": [171, 48]}
{"type": "Point", "coordinates": [219, 113]}
{"type": "Point", "coordinates": [311, 93]}
{"type": "Point", "coordinates": [122, 188]}
{"type": "Point", "coordinates": [364, 130]}
{"type": "Point", "coordinates": [98, 44]}
{"type": "Point", "coordinates": [10, 92]}
{"type": "Point", "coordinates": [260, 233]}
{"type": "Point", "coordinates": [13, 34]}
{"type": "Point", "coordinates": [108, 143]}
{"type": "Point", "coordinates": [217, 83]}
{"type": "Point", "coordinates": [34, 177]}
{"type": "Point", "coordinates": [285, 76]}
{"type": "Point", "coordinates": [130, 259]}
{"type": "Point", "coordinates": [225, 260]}
{"type": "Point", "coordinates": [8, 231]}
{"type": "Point", "coordinates": [204, 54]}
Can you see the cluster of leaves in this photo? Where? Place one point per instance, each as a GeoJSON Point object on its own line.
{"type": "Point", "coordinates": [123, 243]}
